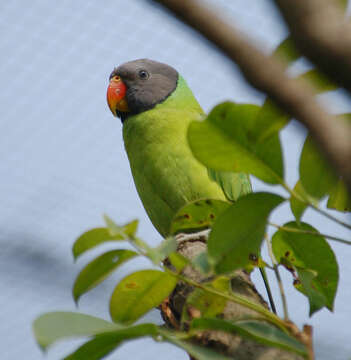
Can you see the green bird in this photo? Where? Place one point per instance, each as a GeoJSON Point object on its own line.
{"type": "Point", "coordinates": [156, 107]}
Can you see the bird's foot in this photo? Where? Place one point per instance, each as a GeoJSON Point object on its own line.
{"type": "Point", "coordinates": [198, 236]}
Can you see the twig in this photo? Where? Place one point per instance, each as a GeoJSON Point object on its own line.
{"type": "Point", "coordinates": [238, 299]}
{"type": "Point", "coordinates": [307, 232]}
{"type": "Point", "coordinates": [267, 74]}
{"type": "Point", "coordinates": [314, 207]}
{"type": "Point", "coordinates": [279, 280]}
{"type": "Point", "coordinates": [268, 289]}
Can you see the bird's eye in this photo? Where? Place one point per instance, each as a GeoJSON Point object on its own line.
{"type": "Point", "coordinates": [143, 74]}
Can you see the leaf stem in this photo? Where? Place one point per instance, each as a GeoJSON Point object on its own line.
{"type": "Point", "coordinates": [316, 208]}
{"type": "Point", "coordinates": [238, 299]}
{"type": "Point", "coordinates": [279, 280]}
{"type": "Point", "coordinates": [309, 232]}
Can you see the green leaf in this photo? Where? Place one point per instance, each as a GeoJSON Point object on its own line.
{"type": "Point", "coordinates": [259, 331]}
{"type": "Point", "coordinates": [238, 232]}
{"type": "Point", "coordinates": [319, 80]}
{"type": "Point", "coordinates": [167, 246]}
{"type": "Point", "coordinates": [207, 304]}
{"type": "Point", "coordinates": [97, 271]}
{"type": "Point", "coordinates": [196, 351]}
{"type": "Point", "coordinates": [138, 293]}
{"type": "Point", "coordinates": [95, 349]}
{"type": "Point", "coordinates": [287, 51]}
{"type": "Point", "coordinates": [51, 327]}
{"type": "Point", "coordinates": [309, 252]}
{"type": "Point", "coordinates": [127, 230]}
{"type": "Point", "coordinates": [201, 262]}
{"type": "Point", "coordinates": [269, 121]}
{"type": "Point", "coordinates": [297, 206]}
{"type": "Point", "coordinates": [316, 175]}
{"type": "Point", "coordinates": [339, 198]}
{"type": "Point", "coordinates": [305, 285]}
{"type": "Point", "coordinates": [197, 215]}
{"type": "Point", "coordinates": [103, 344]}
{"type": "Point", "coordinates": [178, 261]}
{"type": "Point", "coordinates": [98, 236]}
{"type": "Point", "coordinates": [233, 185]}
{"type": "Point", "coordinates": [225, 141]}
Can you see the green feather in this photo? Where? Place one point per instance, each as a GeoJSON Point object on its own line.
{"type": "Point", "coordinates": [166, 174]}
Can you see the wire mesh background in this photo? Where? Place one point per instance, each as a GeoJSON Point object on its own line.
{"type": "Point", "coordinates": [62, 162]}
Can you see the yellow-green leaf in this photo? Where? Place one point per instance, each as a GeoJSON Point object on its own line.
{"type": "Point", "coordinates": [339, 198]}
{"type": "Point", "coordinates": [138, 293]}
{"type": "Point", "coordinates": [97, 271]}
{"type": "Point", "coordinates": [98, 236]}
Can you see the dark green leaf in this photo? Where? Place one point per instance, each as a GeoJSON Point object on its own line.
{"type": "Point", "coordinates": [309, 252]}
{"type": "Point", "coordinates": [198, 215]}
{"type": "Point", "coordinates": [97, 271]}
{"type": "Point", "coordinates": [233, 184]}
{"type": "Point", "coordinates": [98, 236]}
{"type": "Point", "coordinates": [51, 327]}
{"type": "Point", "coordinates": [339, 198]}
{"type": "Point", "coordinates": [316, 175]}
{"type": "Point", "coordinates": [225, 142]}
{"type": "Point", "coordinates": [306, 285]}
{"type": "Point", "coordinates": [138, 293]}
{"type": "Point", "coordinates": [196, 351]}
{"type": "Point", "coordinates": [103, 344]}
{"type": "Point", "coordinates": [259, 331]}
{"type": "Point", "coordinates": [238, 232]}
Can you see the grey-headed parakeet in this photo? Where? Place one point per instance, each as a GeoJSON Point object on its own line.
{"type": "Point", "coordinates": [156, 106]}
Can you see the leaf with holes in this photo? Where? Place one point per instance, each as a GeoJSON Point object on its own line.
{"type": "Point", "coordinates": [238, 232]}
{"type": "Point", "coordinates": [339, 198]}
{"type": "Point", "coordinates": [99, 269]}
{"type": "Point", "coordinates": [197, 215]}
{"type": "Point", "coordinates": [310, 252]}
{"type": "Point", "coordinates": [138, 293]}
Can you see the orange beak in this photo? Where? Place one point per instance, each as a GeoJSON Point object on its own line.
{"type": "Point", "coordinates": [116, 93]}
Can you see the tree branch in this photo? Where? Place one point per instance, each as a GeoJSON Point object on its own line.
{"type": "Point", "coordinates": [297, 98]}
{"type": "Point", "coordinates": [322, 33]}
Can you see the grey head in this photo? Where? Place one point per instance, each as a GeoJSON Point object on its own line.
{"type": "Point", "coordinates": [148, 83]}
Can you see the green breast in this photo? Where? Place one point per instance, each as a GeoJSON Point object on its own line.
{"type": "Point", "coordinates": [166, 174]}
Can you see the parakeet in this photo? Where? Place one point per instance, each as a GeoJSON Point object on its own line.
{"type": "Point", "coordinates": [156, 106]}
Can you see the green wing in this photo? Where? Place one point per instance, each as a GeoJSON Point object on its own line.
{"type": "Point", "coordinates": [234, 185]}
